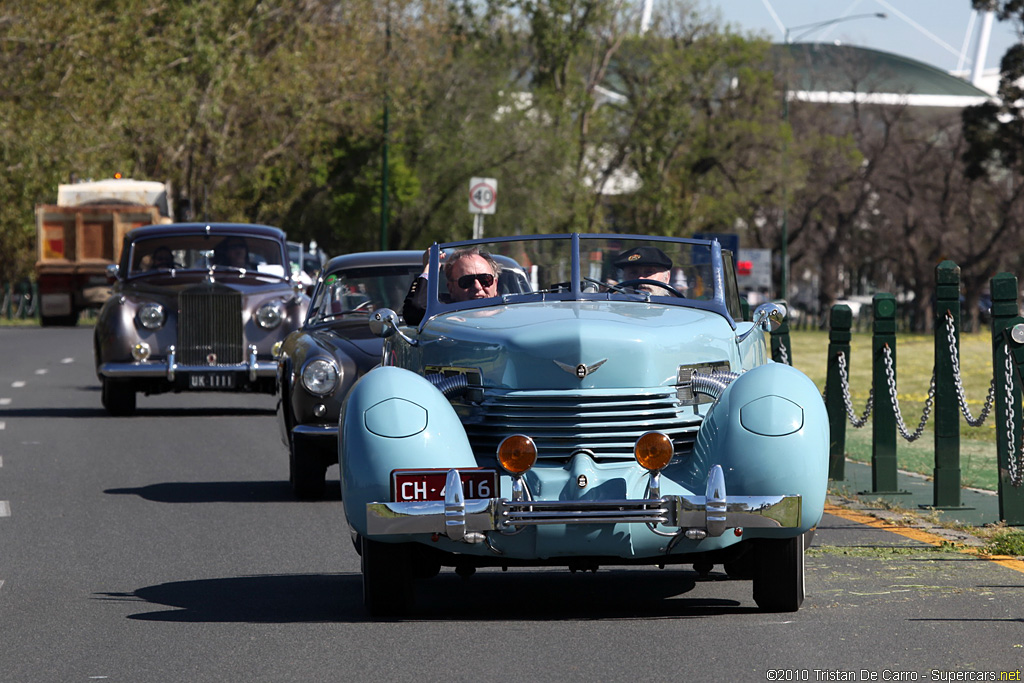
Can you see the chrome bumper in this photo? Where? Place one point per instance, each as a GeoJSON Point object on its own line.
{"type": "Point", "coordinates": [696, 517]}
{"type": "Point", "coordinates": [168, 368]}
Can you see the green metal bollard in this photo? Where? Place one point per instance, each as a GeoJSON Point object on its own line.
{"type": "Point", "coordinates": [840, 322]}
{"type": "Point", "coordinates": [781, 348]}
{"type": "Point", "coordinates": [883, 424]}
{"type": "Point", "coordinates": [8, 297]}
{"type": "Point", "coordinates": [1004, 343]}
{"type": "Point", "coordinates": [946, 482]}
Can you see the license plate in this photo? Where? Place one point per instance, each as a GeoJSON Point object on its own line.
{"type": "Point", "coordinates": [418, 485]}
{"type": "Point", "coordinates": [211, 380]}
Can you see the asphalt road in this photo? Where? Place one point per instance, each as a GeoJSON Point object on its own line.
{"type": "Point", "coordinates": [167, 547]}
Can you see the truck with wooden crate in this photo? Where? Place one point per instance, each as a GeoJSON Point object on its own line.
{"type": "Point", "coordinates": [80, 235]}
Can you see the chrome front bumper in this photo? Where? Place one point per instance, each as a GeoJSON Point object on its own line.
{"type": "Point", "coordinates": [696, 517]}
{"type": "Point", "coordinates": [168, 368]}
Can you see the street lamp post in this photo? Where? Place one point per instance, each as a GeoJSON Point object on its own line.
{"type": "Point", "coordinates": [806, 29]}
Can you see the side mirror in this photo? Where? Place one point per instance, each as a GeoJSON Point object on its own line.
{"type": "Point", "coordinates": [383, 323]}
{"type": "Point", "coordinates": [769, 316]}
{"type": "Point", "coordinates": [112, 271]}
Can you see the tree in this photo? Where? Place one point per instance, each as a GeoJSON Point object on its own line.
{"type": "Point", "coordinates": [995, 129]}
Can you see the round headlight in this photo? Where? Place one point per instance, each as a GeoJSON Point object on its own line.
{"type": "Point", "coordinates": [269, 315]}
{"type": "Point", "coordinates": [517, 453]}
{"type": "Point", "coordinates": [653, 451]}
{"type": "Point", "coordinates": [320, 377]}
{"type": "Point", "coordinates": [151, 316]}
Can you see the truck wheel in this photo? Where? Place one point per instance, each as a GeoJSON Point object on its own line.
{"type": "Point", "coordinates": [307, 472]}
{"type": "Point", "coordinates": [779, 576]}
{"type": "Point", "coordinates": [118, 397]}
{"type": "Point", "coordinates": [389, 588]}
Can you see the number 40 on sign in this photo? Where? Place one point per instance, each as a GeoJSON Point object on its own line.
{"type": "Point", "coordinates": [483, 195]}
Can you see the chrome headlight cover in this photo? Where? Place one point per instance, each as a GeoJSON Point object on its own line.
{"type": "Point", "coordinates": [150, 316]}
{"type": "Point", "coordinates": [270, 315]}
{"type": "Point", "coordinates": [321, 376]}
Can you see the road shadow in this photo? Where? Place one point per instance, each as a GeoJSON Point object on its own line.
{"type": "Point", "coordinates": [70, 412]}
{"type": "Point", "coordinates": [223, 492]}
{"type": "Point", "coordinates": [487, 596]}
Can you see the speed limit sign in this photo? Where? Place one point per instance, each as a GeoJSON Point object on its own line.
{"type": "Point", "coordinates": [483, 195]}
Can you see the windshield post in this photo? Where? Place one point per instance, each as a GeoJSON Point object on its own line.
{"type": "Point", "coordinates": [719, 270]}
{"type": "Point", "coordinates": [575, 270]}
{"type": "Point", "coordinates": [433, 281]}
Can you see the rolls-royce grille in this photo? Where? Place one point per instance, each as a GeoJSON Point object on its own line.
{"type": "Point", "coordinates": [210, 327]}
{"type": "Point", "coordinates": [606, 424]}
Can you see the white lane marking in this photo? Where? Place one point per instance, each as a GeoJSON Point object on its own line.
{"type": "Point", "coordinates": [5, 401]}
{"type": "Point", "coordinates": [5, 508]}
{"type": "Point", "coordinates": [1, 461]}
{"type": "Point", "coordinates": [3, 425]}
{"type": "Point", "coordinates": [18, 385]}
{"type": "Point", "coordinates": [65, 361]}
{"type": "Point", "coordinates": [42, 371]}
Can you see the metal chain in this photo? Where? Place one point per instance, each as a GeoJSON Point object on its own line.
{"type": "Point", "coordinates": [1014, 458]}
{"type": "Point", "coordinates": [958, 382]}
{"type": "Point", "coordinates": [890, 375]}
{"type": "Point", "coordinates": [783, 354]}
{"type": "Point", "coordinates": [844, 382]}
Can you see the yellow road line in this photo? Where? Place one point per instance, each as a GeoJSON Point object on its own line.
{"type": "Point", "coordinates": [919, 535]}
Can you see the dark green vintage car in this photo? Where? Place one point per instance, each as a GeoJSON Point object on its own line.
{"type": "Point", "coordinates": [320, 362]}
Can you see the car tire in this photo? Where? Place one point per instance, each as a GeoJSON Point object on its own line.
{"type": "Point", "coordinates": [779, 577]}
{"type": "Point", "coordinates": [389, 588]}
{"type": "Point", "coordinates": [118, 397]}
{"type": "Point", "coordinates": [307, 473]}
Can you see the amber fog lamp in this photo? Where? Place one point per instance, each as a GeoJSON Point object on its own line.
{"type": "Point", "coordinates": [517, 454]}
{"type": "Point", "coordinates": [653, 451]}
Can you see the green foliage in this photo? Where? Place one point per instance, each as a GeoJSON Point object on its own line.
{"type": "Point", "coordinates": [1009, 542]}
{"type": "Point", "coordinates": [993, 129]}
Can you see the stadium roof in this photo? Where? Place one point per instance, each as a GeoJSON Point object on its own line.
{"type": "Point", "coordinates": [828, 73]}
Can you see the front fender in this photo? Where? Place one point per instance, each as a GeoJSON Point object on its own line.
{"type": "Point", "coordinates": [769, 431]}
{"type": "Point", "coordinates": [394, 419]}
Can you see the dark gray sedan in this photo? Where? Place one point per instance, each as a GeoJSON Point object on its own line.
{"type": "Point", "coordinates": [195, 307]}
{"type": "Point", "coordinates": [320, 362]}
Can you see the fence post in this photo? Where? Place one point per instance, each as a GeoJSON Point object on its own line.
{"type": "Point", "coordinates": [839, 337]}
{"type": "Point", "coordinates": [1005, 310]}
{"type": "Point", "coordinates": [782, 350]}
{"type": "Point", "coordinates": [5, 310]}
{"type": "Point", "coordinates": [946, 482]}
{"type": "Point", "coordinates": [883, 423]}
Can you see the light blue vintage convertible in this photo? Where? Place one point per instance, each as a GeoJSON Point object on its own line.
{"type": "Point", "coordinates": [579, 415]}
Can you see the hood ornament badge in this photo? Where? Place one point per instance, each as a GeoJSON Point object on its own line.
{"type": "Point", "coordinates": [581, 370]}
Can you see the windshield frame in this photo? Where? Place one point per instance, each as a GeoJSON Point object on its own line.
{"type": "Point", "coordinates": [270, 246]}
{"type": "Point", "coordinates": [575, 292]}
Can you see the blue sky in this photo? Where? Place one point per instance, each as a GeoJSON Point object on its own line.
{"type": "Point", "coordinates": [931, 31]}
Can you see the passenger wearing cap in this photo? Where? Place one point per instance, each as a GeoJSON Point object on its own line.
{"type": "Point", "coordinates": [646, 263]}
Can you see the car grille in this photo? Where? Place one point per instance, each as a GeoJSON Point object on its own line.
{"type": "Point", "coordinates": [605, 424]}
{"type": "Point", "coordinates": [210, 326]}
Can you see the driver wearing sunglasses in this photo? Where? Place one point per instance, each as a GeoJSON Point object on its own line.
{"type": "Point", "coordinates": [471, 274]}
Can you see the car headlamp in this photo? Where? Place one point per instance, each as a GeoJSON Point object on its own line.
{"type": "Point", "coordinates": [320, 376]}
{"type": "Point", "coordinates": [269, 315]}
{"type": "Point", "coordinates": [517, 453]}
{"type": "Point", "coordinates": [653, 451]}
{"type": "Point", "coordinates": [151, 316]}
